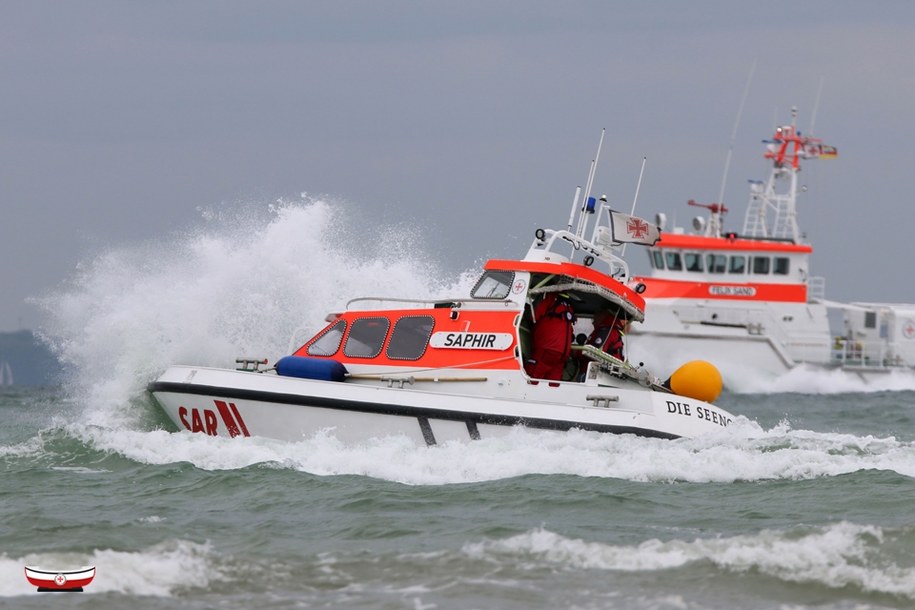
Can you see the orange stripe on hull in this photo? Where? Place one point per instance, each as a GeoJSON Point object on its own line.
{"type": "Point", "coordinates": [671, 289]}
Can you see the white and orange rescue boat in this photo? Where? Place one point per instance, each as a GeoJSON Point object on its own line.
{"type": "Point", "coordinates": [747, 301]}
{"type": "Point", "coordinates": [453, 368]}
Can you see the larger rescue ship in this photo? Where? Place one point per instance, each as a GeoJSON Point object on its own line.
{"type": "Point", "coordinates": [746, 300]}
{"type": "Point", "coordinates": [454, 368]}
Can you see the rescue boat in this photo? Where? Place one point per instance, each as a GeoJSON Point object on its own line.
{"type": "Point", "coordinates": [746, 301]}
{"type": "Point", "coordinates": [453, 369]}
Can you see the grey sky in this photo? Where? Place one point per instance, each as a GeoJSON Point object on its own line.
{"type": "Point", "coordinates": [474, 120]}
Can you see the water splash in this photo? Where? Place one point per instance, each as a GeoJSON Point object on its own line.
{"type": "Point", "coordinates": [238, 285]}
{"type": "Point", "coordinates": [746, 453]}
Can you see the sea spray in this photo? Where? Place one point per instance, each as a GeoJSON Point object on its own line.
{"type": "Point", "coordinates": [237, 285]}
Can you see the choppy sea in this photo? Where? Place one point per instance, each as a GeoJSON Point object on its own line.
{"type": "Point", "coordinates": [806, 502]}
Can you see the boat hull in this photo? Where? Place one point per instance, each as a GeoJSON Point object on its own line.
{"type": "Point", "coordinates": [764, 342]}
{"type": "Point", "coordinates": [221, 402]}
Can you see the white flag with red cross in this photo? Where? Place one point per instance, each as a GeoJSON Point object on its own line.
{"type": "Point", "coordinates": [633, 230]}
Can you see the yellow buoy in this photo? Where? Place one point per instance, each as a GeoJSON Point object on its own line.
{"type": "Point", "coordinates": [696, 379]}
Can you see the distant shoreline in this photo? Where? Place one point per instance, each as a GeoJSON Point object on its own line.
{"type": "Point", "coordinates": [25, 361]}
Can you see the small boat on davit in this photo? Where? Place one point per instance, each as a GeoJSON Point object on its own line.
{"type": "Point", "coordinates": [472, 366]}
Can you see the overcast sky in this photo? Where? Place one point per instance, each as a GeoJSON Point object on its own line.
{"type": "Point", "coordinates": [475, 120]}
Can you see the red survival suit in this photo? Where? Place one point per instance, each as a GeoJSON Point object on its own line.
{"type": "Point", "coordinates": [552, 338]}
{"type": "Point", "coordinates": [608, 335]}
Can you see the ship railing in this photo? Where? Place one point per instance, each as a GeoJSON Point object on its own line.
{"type": "Point", "coordinates": [871, 354]}
{"type": "Point", "coordinates": [444, 303]}
{"type": "Point", "coordinates": [600, 250]}
{"type": "Point", "coordinates": [816, 289]}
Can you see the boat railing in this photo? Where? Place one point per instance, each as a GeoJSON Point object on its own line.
{"type": "Point", "coordinates": [869, 354]}
{"type": "Point", "coordinates": [599, 249]}
{"type": "Point", "coordinates": [444, 303]}
{"type": "Point", "coordinates": [816, 289]}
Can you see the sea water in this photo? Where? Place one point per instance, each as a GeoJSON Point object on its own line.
{"type": "Point", "coordinates": [805, 502]}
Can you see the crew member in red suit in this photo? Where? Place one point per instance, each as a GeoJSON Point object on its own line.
{"type": "Point", "coordinates": [607, 336]}
{"type": "Point", "coordinates": [552, 337]}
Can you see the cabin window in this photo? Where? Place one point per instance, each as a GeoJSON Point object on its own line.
{"type": "Point", "coordinates": [781, 265]}
{"type": "Point", "coordinates": [674, 263]}
{"type": "Point", "coordinates": [493, 285]}
{"type": "Point", "coordinates": [870, 319]}
{"type": "Point", "coordinates": [738, 264]}
{"type": "Point", "coordinates": [366, 336]}
{"type": "Point", "coordinates": [761, 264]}
{"type": "Point", "coordinates": [328, 342]}
{"type": "Point", "coordinates": [716, 263]}
{"type": "Point", "coordinates": [693, 261]}
{"type": "Point", "coordinates": [410, 337]}
{"type": "Point", "coordinates": [658, 259]}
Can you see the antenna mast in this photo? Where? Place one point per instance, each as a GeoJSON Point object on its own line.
{"type": "Point", "coordinates": [727, 161]}
{"type": "Point", "coordinates": [785, 150]}
{"type": "Point", "coordinates": [582, 219]}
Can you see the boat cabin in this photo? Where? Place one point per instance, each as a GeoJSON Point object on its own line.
{"type": "Point", "coordinates": [695, 266]}
{"type": "Point", "coordinates": [490, 329]}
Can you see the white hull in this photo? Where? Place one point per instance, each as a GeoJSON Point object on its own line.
{"type": "Point", "coordinates": [222, 402]}
{"type": "Point", "coordinates": [745, 301]}
{"type": "Point", "coordinates": [767, 340]}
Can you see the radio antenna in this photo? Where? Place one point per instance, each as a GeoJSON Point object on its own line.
{"type": "Point", "coordinates": [638, 186]}
{"type": "Point", "coordinates": [727, 161]}
{"type": "Point", "coordinates": [816, 106]}
{"type": "Point", "coordinates": [582, 219]}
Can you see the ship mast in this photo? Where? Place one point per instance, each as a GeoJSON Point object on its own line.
{"type": "Point", "coordinates": [778, 195]}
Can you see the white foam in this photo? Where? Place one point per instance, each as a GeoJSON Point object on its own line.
{"type": "Point", "coordinates": [836, 555]}
{"type": "Point", "coordinates": [31, 447]}
{"type": "Point", "coordinates": [809, 380]}
{"type": "Point", "coordinates": [238, 286]}
{"type": "Point", "coordinates": [746, 453]}
{"type": "Point", "coordinates": [161, 570]}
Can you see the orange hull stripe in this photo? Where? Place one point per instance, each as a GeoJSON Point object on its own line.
{"type": "Point", "coordinates": [701, 242]}
{"type": "Point", "coordinates": [672, 289]}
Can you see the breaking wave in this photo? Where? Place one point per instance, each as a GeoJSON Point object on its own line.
{"type": "Point", "coordinates": [239, 285]}
{"type": "Point", "coordinates": [837, 555]}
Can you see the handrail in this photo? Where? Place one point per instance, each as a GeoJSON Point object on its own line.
{"type": "Point", "coordinates": [442, 301]}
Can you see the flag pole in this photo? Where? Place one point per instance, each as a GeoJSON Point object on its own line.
{"type": "Point", "coordinates": [635, 199]}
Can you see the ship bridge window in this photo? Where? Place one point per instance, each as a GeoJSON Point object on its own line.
{"type": "Point", "coordinates": [410, 337]}
{"type": "Point", "coordinates": [738, 264]}
{"type": "Point", "coordinates": [366, 337]}
{"type": "Point", "coordinates": [657, 259]}
{"type": "Point", "coordinates": [870, 319]}
{"type": "Point", "coordinates": [493, 285]}
{"type": "Point", "coordinates": [761, 264]}
{"type": "Point", "coordinates": [716, 263]}
{"type": "Point", "coordinates": [693, 261]}
{"type": "Point", "coordinates": [328, 342]}
{"type": "Point", "coordinates": [781, 265]}
{"type": "Point", "coordinates": [674, 262]}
